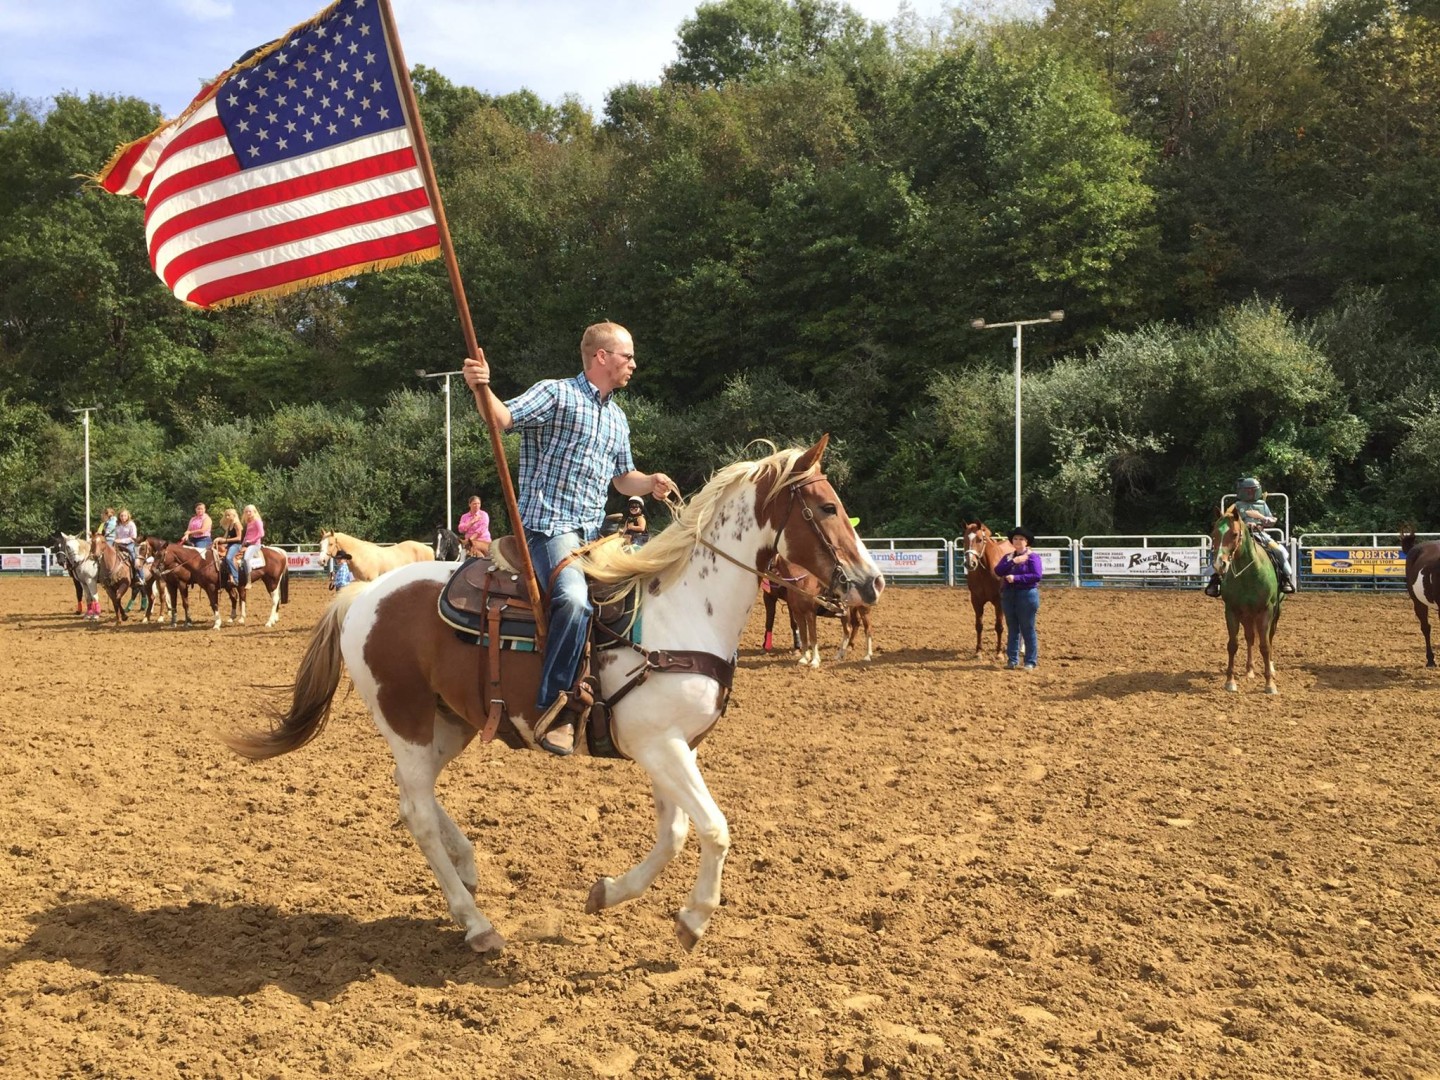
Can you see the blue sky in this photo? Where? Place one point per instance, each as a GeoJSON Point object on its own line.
{"type": "Point", "coordinates": [161, 50]}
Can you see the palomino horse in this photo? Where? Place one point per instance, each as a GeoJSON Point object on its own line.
{"type": "Point", "coordinates": [272, 574]}
{"type": "Point", "coordinates": [696, 585]}
{"type": "Point", "coordinates": [74, 554]}
{"type": "Point", "coordinates": [983, 552]}
{"type": "Point", "coordinates": [179, 567]}
{"type": "Point", "coordinates": [368, 561]}
{"type": "Point", "coordinates": [1422, 581]}
{"type": "Point", "coordinates": [1252, 596]}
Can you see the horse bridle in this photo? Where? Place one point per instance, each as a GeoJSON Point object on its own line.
{"type": "Point", "coordinates": [830, 600]}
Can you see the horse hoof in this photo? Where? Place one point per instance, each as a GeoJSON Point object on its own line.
{"type": "Point", "coordinates": [688, 938]}
{"type": "Point", "coordinates": [1233, 686]}
{"type": "Point", "coordinates": [1272, 690]}
{"type": "Point", "coordinates": [486, 941]}
{"type": "Point", "coordinates": [595, 902]}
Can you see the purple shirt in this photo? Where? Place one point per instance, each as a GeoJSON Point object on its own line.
{"type": "Point", "coordinates": [1027, 574]}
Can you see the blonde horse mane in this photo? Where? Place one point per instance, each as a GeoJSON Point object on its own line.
{"type": "Point", "coordinates": [666, 556]}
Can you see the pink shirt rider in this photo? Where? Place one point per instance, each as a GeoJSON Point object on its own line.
{"type": "Point", "coordinates": [475, 526]}
{"type": "Point", "coordinates": [254, 531]}
{"type": "Point", "coordinates": [199, 526]}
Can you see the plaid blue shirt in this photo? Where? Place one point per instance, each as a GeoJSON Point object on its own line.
{"type": "Point", "coordinates": [572, 444]}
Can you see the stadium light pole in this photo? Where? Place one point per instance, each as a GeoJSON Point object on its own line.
{"type": "Point", "coordinates": [449, 487]}
{"type": "Point", "coordinates": [1019, 325]}
{"type": "Point", "coordinates": [85, 421]}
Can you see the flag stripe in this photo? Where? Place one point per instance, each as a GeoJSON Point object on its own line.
{"type": "Point", "coordinates": [214, 204]}
{"type": "Point", "coordinates": [248, 239]}
{"type": "Point", "coordinates": [280, 174]}
{"type": "Point", "coordinates": [354, 257]}
{"type": "Point", "coordinates": [117, 180]}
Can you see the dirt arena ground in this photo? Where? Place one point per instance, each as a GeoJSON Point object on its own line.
{"type": "Point", "coordinates": [939, 867]}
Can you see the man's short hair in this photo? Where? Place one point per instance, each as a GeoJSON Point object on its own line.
{"type": "Point", "coordinates": [601, 335]}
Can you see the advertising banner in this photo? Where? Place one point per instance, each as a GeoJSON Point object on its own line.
{"type": "Point", "coordinates": [1368, 562]}
{"type": "Point", "coordinates": [912, 562]}
{"type": "Point", "coordinates": [1148, 562]}
{"type": "Point", "coordinates": [27, 562]}
{"type": "Point", "coordinates": [1049, 559]}
{"type": "Point", "coordinates": [305, 562]}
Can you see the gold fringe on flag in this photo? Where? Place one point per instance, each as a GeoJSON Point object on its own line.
{"type": "Point", "coordinates": [409, 259]}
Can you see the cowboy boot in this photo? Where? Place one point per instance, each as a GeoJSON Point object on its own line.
{"type": "Point", "coordinates": [1286, 585]}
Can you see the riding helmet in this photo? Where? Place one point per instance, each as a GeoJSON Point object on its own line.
{"type": "Point", "coordinates": [1248, 489]}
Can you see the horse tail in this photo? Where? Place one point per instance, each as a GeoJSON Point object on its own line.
{"type": "Point", "coordinates": [1407, 538]}
{"type": "Point", "coordinates": [285, 582]}
{"type": "Point", "coordinates": [315, 686]}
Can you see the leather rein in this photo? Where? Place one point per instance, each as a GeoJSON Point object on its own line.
{"type": "Point", "coordinates": [697, 662]}
{"type": "Point", "coordinates": [832, 606]}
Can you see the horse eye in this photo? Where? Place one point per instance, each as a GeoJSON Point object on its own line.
{"type": "Point", "coordinates": [829, 508]}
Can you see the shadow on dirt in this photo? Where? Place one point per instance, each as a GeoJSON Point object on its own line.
{"type": "Point", "coordinates": [1126, 683]}
{"type": "Point", "coordinates": [1366, 677]}
{"type": "Point", "coordinates": [229, 951]}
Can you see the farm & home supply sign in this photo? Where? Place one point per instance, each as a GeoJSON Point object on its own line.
{"type": "Point", "coordinates": [1147, 562]}
{"type": "Point", "coordinates": [912, 562]}
{"type": "Point", "coordinates": [1370, 562]}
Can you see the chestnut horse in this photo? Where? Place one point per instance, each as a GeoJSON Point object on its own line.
{"type": "Point", "coordinates": [804, 599]}
{"type": "Point", "coordinates": [983, 552]}
{"type": "Point", "coordinates": [696, 585]}
{"type": "Point", "coordinates": [180, 566]}
{"type": "Point", "coordinates": [1422, 581]}
{"type": "Point", "coordinates": [1251, 591]}
{"type": "Point", "coordinates": [114, 572]}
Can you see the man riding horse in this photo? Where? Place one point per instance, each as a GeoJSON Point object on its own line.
{"type": "Point", "coordinates": [575, 444]}
{"type": "Point", "coordinates": [1256, 512]}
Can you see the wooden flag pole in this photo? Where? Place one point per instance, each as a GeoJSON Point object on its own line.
{"type": "Point", "coordinates": [457, 287]}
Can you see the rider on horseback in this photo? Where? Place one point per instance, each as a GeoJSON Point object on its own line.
{"type": "Point", "coordinates": [575, 444]}
{"type": "Point", "coordinates": [1256, 512]}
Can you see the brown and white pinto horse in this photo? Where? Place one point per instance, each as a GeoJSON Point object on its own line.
{"type": "Point", "coordinates": [983, 552]}
{"type": "Point", "coordinates": [273, 576]}
{"type": "Point", "coordinates": [1422, 581]}
{"type": "Point", "coordinates": [696, 582]}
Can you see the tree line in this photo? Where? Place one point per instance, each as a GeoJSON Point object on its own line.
{"type": "Point", "coordinates": [1235, 203]}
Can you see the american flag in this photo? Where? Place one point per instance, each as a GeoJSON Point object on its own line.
{"type": "Point", "coordinates": [293, 168]}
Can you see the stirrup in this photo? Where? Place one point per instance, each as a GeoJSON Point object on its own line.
{"type": "Point", "coordinates": [551, 718]}
{"type": "Point", "coordinates": [1287, 586]}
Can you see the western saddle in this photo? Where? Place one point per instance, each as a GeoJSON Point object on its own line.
{"type": "Point", "coordinates": [487, 603]}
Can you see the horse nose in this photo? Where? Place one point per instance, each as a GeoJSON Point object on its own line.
{"type": "Point", "coordinates": [870, 590]}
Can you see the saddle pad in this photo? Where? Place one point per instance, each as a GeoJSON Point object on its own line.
{"type": "Point", "coordinates": [255, 557]}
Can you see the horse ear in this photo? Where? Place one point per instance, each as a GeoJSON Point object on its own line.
{"type": "Point", "coordinates": [811, 458]}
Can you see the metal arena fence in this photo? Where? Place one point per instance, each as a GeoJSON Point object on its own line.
{"type": "Point", "coordinates": [1349, 562]}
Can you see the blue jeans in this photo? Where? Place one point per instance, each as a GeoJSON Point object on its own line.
{"type": "Point", "coordinates": [570, 608]}
{"type": "Point", "coordinates": [232, 556]}
{"type": "Point", "coordinates": [1020, 606]}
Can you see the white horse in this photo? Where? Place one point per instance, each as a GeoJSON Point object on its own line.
{"type": "Point", "coordinates": [696, 582]}
{"type": "Point", "coordinates": [74, 553]}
